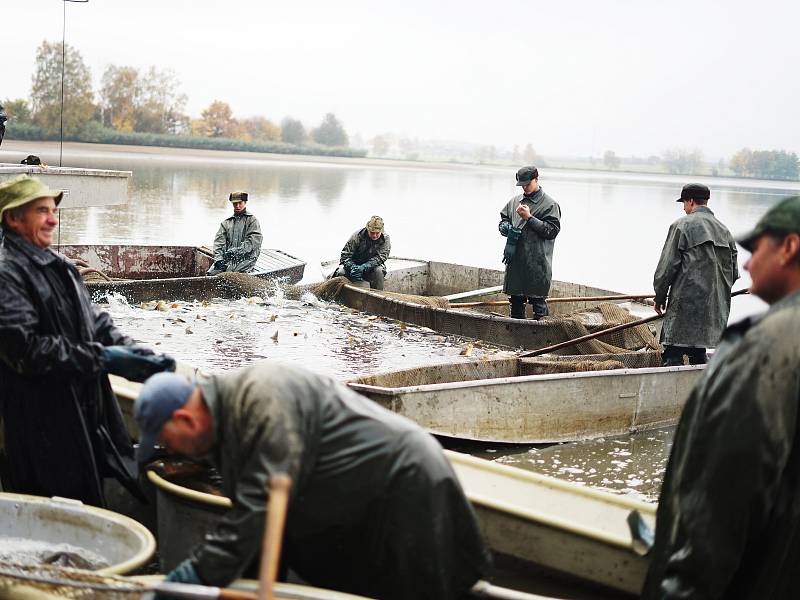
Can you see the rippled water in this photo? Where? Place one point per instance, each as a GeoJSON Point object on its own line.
{"type": "Point", "coordinates": [321, 336]}
{"type": "Point", "coordinates": [630, 465]}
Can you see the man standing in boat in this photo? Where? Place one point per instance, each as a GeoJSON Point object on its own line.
{"type": "Point", "coordinates": [530, 223]}
{"type": "Point", "coordinates": [696, 271]}
{"type": "Point", "coordinates": [63, 429]}
{"type": "Point", "coordinates": [375, 506]}
{"type": "Point", "coordinates": [729, 513]}
{"type": "Point", "coordinates": [365, 254]}
{"type": "Point", "coordinates": [237, 244]}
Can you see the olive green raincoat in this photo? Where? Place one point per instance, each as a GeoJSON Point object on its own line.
{"type": "Point", "coordinates": [694, 277]}
{"type": "Point", "coordinates": [375, 507]}
{"type": "Point", "coordinates": [361, 250]}
{"type": "Point", "coordinates": [728, 523]}
{"type": "Point", "coordinates": [242, 234]}
{"type": "Point", "coordinates": [530, 270]}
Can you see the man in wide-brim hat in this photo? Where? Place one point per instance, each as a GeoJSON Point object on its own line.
{"type": "Point", "coordinates": [63, 429]}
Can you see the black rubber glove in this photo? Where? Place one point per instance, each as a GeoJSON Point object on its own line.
{"type": "Point", "coordinates": [504, 227]}
{"type": "Point", "coordinates": [511, 244]}
{"type": "Point", "coordinates": [130, 362]}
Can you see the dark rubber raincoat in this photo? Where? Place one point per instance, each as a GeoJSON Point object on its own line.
{"type": "Point", "coordinates": [728, 522]}
{"type": "Point", "coordinates": [530, 270]}
{"type": "Point", "coordinates": [62, 425]}
{"type": "Point", "coordinates": [360, 250]}
{"type": "Point", "coordinates": [375, 507]}
{"type": "Point", "coordinates": [243, 233]}
{"type": "Point", "coordinates": [696, 271]}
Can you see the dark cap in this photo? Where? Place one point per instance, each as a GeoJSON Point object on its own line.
{"type": "Point", "coordinates": [238, 197]}
{"type": "Point", "coordinates": [527, 174]}
{"type": "Point", "coordinates": [784, 217]}
{"type": "Point", "coordinates": [160, 396]}
{"type": "Point", "coordinates": [694, 191]}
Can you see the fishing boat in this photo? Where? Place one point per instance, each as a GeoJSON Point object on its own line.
{"type": "Point", "coordinates": [526, 401]}
{"type": "Point", "coordinates": [144, 273]}
{"type": "Point", "coordinates": [556, 525]}
{"type": "Point", "coordinates": [409, 282]}
{"type": "Point", "coordinates": [543, 525]}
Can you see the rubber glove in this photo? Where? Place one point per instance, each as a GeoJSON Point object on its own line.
{"type": "Point", "coordinates": [504, 227]}
{"type": "Point", "coordinates": [134, 366]}
{"type": "Point", "coordinates": [511, 244]}
{"type": "Point", "coordinates": [183, 573]}
{"type": "Point", "coordinates": [357, 272]}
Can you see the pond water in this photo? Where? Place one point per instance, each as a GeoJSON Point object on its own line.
{"type": "Point", "coordinates": [613, 228]}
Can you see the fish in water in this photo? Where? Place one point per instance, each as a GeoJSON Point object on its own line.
{"type": "Point", "coordinates": [67, 559]}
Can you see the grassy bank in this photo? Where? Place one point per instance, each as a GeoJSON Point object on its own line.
{"type": "Point", "coordinates": [97, 134]}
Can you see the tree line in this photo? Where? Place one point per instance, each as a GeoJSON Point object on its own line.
{"type": "Point", "coordinates": [136, 106]}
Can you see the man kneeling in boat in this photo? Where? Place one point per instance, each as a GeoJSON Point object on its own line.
{"type": "Point", "coordinates": [365, 254]}
{"type": "Point", "coordinates": [729, 512]}
{"type": "Point", "coordinates": [237, 244]}
{"type": "Point", "coordinates": [375, 506]}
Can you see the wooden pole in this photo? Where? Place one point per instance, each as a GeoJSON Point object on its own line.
{"type": "Point", "coordinates": [603, 332]}
{"type": "Point", "coordinates": [557, 300]}
{"type": "Point", "coordinates": [277, 505]}
{"type": "Point", "coordinates": [591, 336]}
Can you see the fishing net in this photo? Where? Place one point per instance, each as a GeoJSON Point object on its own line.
{"type": "Point", "coordinates": [42, 582]}
{"type": "Point", "coordinates": [332, 288]}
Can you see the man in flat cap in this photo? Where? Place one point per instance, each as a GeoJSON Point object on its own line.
{"type": "Point", "coordinates": [693, 280]}
{"type": "Point", "coordinates": [729, 514]}
{"type": "Point", "coordinates": [365, 254]}
{"type": "Point", "coordinates": [237, 244]}
{"type": "Point", "coordinates": [375, 507]}
{"type": "Point", "coordinates": [530, 223]}
{"type": "Point", "coordinates": [62, 425]}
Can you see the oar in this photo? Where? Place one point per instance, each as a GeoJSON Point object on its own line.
{"type": "Point", "coordinates": [557, 300]}
{"type": "Point", "coordinates": [603, 332]}
{"type": "Point", "coordinates": [279, 485]}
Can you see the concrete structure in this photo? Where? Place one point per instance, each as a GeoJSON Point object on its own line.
{"type": "Point", "coordinates": [82, 187]}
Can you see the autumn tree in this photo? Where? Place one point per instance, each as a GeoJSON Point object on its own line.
{"type": "Point", "coordinates": [219, 121]}
{"type": "Point", "coordinates": [766, 164]}
{"type": "Point", "coordinates": [18, 111]}
{"type": "Point", "coordinates": [293, 131]}
{"type": "Point", "coordinates": [380, 146]}
{"type": "Point", "coordinates": [119, 96]}
{"type": "Point", "coordinates": [330, 132]}
{"type": "Point", "coordinates": [160, 104]}
{"type": "Point", "coordinates": [530, 156]}
{"type": "Point", "coordinates": [682, 161]}
{"type": "Point", "coordinates": [611, 160]}
{"type": "Point", "coordinates": [259, 129]}
{"type": "Point", "coordinates": [78, 106]}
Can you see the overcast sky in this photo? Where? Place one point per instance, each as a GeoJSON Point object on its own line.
{"type": "Point", "coordinates": [570, 77]}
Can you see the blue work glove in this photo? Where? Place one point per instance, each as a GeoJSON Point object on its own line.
{"type": "Point", "coordinates": [218, 267]}
{"type": "Point", "coordinates": [183, 573]}
{"type": "Point", "coordinates": [130, 362]}
{"type": "Point", "coordinates": [511, 244]}
{"type": "Point", "coordinates": [504, 227]}
{"type": "Point", "coordinates": [357, 272]}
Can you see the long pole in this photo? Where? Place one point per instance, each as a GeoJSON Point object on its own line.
{"type": "Point", "coordinates": [279, 485]}
{"type": "Point", "coordinates": [556, 300]}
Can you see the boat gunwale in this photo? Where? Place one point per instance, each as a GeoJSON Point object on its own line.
{"type": "Point", "coordinates": [454, 385]}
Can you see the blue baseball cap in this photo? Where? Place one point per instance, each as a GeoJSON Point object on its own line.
{"type": "Point", "coordinates": [161, 395]}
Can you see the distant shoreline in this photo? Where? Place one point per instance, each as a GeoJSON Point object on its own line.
{"type": "Point", "coordinates": [12, 151]}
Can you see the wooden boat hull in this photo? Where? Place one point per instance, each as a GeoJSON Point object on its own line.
{"type": "Point", "coordinates": [533, 409]}
{"type": "Point", "coordinates": [468, 284]}
{"type": "Point", "coordinates": [561, 526]}
{"type": "Point", "coordinates": [144, 273]}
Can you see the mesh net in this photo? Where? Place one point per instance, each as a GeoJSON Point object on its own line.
{"type": "Point", "coordinates": [43, 581]}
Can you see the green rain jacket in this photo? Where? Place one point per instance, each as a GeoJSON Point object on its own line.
{"type": "Point", "coordinates": [696, 271]}
{"type": "Point", "coordinates": [360, 250]}
{"type": "Point", "coordinates": [240, 233]}
{"type": "Point", "coordinates": [375, 507]}
{"type": "Point", "coordinates": [728, 522]}
{"type": "Point", "coordinates": [531, 268]}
